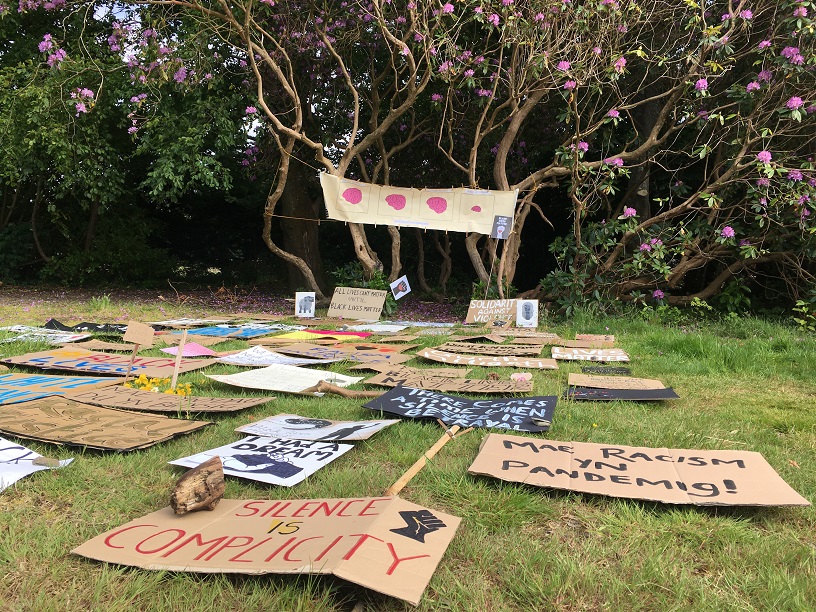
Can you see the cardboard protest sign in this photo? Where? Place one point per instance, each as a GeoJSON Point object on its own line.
{"type": "Point", "coordinates": [491, 312]}
{"type": "Point", "coordinates": [138, 399]}
{"type": "Point", "coordinates": [305, 304]}
{"type": "Point", "coordinates": [175, 338]}
{"type": "Point", "coordinates": [628, 395]}
{"type": "Point", "coordinates": [382, 543]}
{"type": "Point", "coordinates": [586, 344]}
{"type": "Point", "coordinates": [501, 227]}
{"type": "Point", "coordinates": [190, 349]}
{"type": "Point", "coordinates": [80, 360]}
{"type": "Point", "coordinates": [531, 414]}
{"type": "Point", "coordinates": [289, 379]}
{"type": "Point", "coordinates": [64, 421]}
{"type": "Point", "coordinates": [139, 333]}
{"type": "Point", "coordinates": [596, 337]}
{"type": "Point", "coordinates": [391, 367]}
{"type": "Point", "coordinates": [675, 476]}
{"type": "Point", "coordinates": [582, 354]}
{"type": "Point", "coordinates": [537, 341]}
{"type": "Point", "coordinates": [109, 329]}
{"type": "Point", "coordinates": [187, 322]}
{"type": "Point", "coordinates": [25, 333]}
{"type": "Point", "coordinates": [613, 382]}
{"type": "Point", "coordinates": [526, 313]}
{"type": "Point", "coordinates": [389, 354]}
{"type": "Point", "coordinates": [379, 328]}
{"type": "Point", "coordinates": [495, 338]}
{"type": "Point", "coordinates": [489, 349]}
{"type": "Point", "coordinates": [305, 428]}
{"type": "Point", "coordinates": [101, 345]}
{"type": "Point", "coordinates": [485, 361]}
{"type": "Point", "coordinates": [259, 357]}
{"type": "Point", "coordinates": [454, 210]}
{"type": "Point", "coordinates": [340, 335]}
{"type": "Point", "coordinates": [17, 462]}
{"type": "Point", "coordinates": [24, 387]}
{"type": "Point", "coordinates": [395, 378]}
{"type": "Point", "coordinates": [278, 461]}
{"type": "Point", "coordinates": [357, 303]}
{"type": "Point", "coordinates": [245, 331]}
{"type": "Point", "coordinates": [400, 338]}
{"type": "Point", "coordinates": [606, 370]}
{"type": "Point", "coordinates": [400, 287]}
{"type": "Point", "coordinates": [527, 333]}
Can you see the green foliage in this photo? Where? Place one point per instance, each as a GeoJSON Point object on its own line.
{"type": "Point", "coordinates": [480, 291]}
{"type": "Point", "coordinates": [352, 275]}
{"type": "Point", "coordinates": [98, 303]}
{"type": "Point", "coordinates": [807, 315]}
{"type": "Point", "coordinates": [16, 251]}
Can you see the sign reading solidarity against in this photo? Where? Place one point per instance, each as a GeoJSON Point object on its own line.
{"type": "Point", "coordinates": [357, 303]}
{"type": "Point", "coordinates": [80, 360]}
{"type": "Point", "coordinates": [492, 312]}
{"type": "Point", "coordinates": [382, 543]}
{"type": "Point", "coordinates": [675, 476]}
{"type": "Point", "coordinates": [533, 414]}
{"type": "Point", "coordinates": [454, 210]}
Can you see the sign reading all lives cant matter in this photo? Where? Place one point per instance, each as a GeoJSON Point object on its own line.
{"type": "Point", "coordinates": [357, 303]}
{"type": "Point", "coordinates": [675, 476]}
{"type": "Point", "coordinates": [382, 543]}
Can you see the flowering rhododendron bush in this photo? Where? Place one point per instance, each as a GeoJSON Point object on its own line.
{"type": "Point", "coordinates": [677, 137]}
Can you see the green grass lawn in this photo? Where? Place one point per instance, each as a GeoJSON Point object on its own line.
{"type": "Point", "coordinates": [745, 385]}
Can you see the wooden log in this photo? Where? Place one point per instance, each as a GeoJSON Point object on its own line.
{"type": "Point", "coordinates": [201, 488]}
{"type": "Point", "coordinates": [327, 387]}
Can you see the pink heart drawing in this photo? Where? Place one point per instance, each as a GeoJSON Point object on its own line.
{"type": "Point", "coordinates": [476, 208]}
{"type": "Point", "coordinates": [353, 195]}
{"type": "Point", "coordinates": [438, 205]}
{"type": "Point", "coordinates": [395, 201]}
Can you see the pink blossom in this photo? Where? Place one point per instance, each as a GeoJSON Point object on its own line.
{"type": "Point", "coordinates": [794, 103]}
{"type": "Point", "coordinates": [133, 129]}
{"type": "Point", "coordinates": [484, 93]}
{"type": "Point", "coordinates": [583, 146]}
{"type": "Point", "coordinates": [789, 52]}
{"type": "Point", "coordinates": [727, 232]}
{"type": "Point", "coordinates": [656, 242]}
{"type": "Point", "coordinates": [744, 242]}
{"type": "Point", "coordinates": [763, 182]}
{"type": "Point", "coordinates": [478, 9]}
{"type": "Point", "coordinates": [658, 294]}
{"type": "Point", "coordinates": [469, 73]}
{"type": "Point", "coordinates": [764, 44]}
{"type": "Point", "coordinates": [563, 65]}
{"type": "Point", "coordinates": [81, 108]}
{"type": "Point", "coordinates": [765, 75]}
{"type": "Point", "coordinates": [746, 14]}
{"type": "Point", "coordinates": [56, 58]}
{"type": "Point", "coordinates": [794, 175]}
{"type": "Point", "coordinates": [570, 85]}
{"type": "Point", "coordinates": [620, 64]}
{"type": "Point", "coordinates": [614, 113]}
{"type": "Point", "coordinates": [251, 110]}
{"type": "Point", "coordinates": [507, 2]}
{"type": "Point", "coordinates": [800, 12]}
{"type": "Point", "coordinates": [45, 43]}
{"type": "Point", "coordinates": [797, 60]}
{"type": "Point", "coordinates": [494, 19]}
{"type": "Point", "coordinates": [436, 97]}
{"type": "Point", "coordinates": [539, 17]}
{"type": "Point", "coordinates": [752, 86]}
{"type": "Point", "coordinates": [614, 161]}
{"type": "Point", "coordinates": [725, 17]}
{"type": "Point", "coordinates": [764, 156]}
{"type": "Point", "coordinates": [701, 85]}
{"type": "Point", "coordinates": [629, 212]}
{"type": "Point", "coordinates": [646, 247]}
{"type": "Point", "coordinates": [447, 8]}
{"type": "Point", "coordinates": [181, 75]}
{"type": "Point", "coordinates": [596, 50]}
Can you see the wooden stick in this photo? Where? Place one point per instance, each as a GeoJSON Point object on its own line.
{"type": "Point", "coordinates": [403, 480]}
{"type": "Point", "coordinates": [132, 359]}
{"type": "Point", "coordinates": [178, 359]}
{"type": "Point", "coordinates": [326, 387]}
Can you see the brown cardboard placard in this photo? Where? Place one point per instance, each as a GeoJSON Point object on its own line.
{"type": "Point", "coordinates": [491, 312]}
{"type": "Point", "coordinates": [444, 383]}
{"type": "Point", "coordinates": [676, 476]}
{"type": "Point", "coordinates": [598, 337]}
{"type": "Point", "coordinates": [63, 421]}
{"type": "Point", "coordinates": [357, 303]}
{"type": "Point", "coordinates": [202, 340]}
{"type": "Point", "coordinates": [389, 354]}
{"type": "Point", "coordinates": [393, 367]}
{"type": "Point", "coordinates": [586, 344]}
{"type": "Point", "coordinates": [400, 338]}
{"type": "Point", "coordinates": [25, 387]}
{"type": "Point", "coordinates": [386, 544]}
{"type": "Point", "coordinates": [612, 382]}
{"type": "Point", "coordinates": [537, 341]}
{"type": "Point", "coordinates": [139, 399]}
{"type": "Point", "coordinates": [80, 360]}
{"type": "Point", "coordinates": [486, 361]}
{"type": "Point", "coordinates": [583, 354]}
{"type": "Point", "coordinates": [101, 345]}
{"type": "Point", "coordinates": [139, 333]}
{"type": "Point", "coordinates": [498, 339]}
{"type": "Point", "coordinates": [474, 348]}
{"type": "Point", "coordinates": [275, 341]}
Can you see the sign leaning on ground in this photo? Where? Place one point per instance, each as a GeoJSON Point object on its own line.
{"type": "Point", "coordinates": [486, 361]}
{"type": "Point", "coordinates": [25, 387]}
{"type": "Point", "coordinates": [531, 414]}
{"type": "Point", "coordinates": [307, 428]}
{"type": "Point", "coordinates": [498, 313]}
{"type": "Point", "coordinates": [139, 399]}
{"type": "Point", "coordinates": [586, 354]}
{"type": "Point", "coordinates": [401, 377]}
{"type": "Point", "coordinates": [382, 543]}
{"type": "Point", "coordinates": [357, 303]}
{"type": "Point", "coordinates": [675, 476]}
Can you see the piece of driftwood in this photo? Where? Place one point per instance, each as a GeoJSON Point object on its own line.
{"type": "Point", "coordinates": [327, 387]}
{"type": "Point", "coordinates": [201, 488]}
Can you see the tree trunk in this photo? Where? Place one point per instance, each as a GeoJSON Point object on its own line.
{"type": "Point", "coordinates": [396, 262]}
{"type": "Point", "coordinates": [34, 232]}
{"type": "Point", "coordinates": [447, 265]}
{"type": "Point", "coordinates": [90, 231]}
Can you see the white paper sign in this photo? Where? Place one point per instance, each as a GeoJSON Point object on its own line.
{"type": "Point", "coordinates": [400, 287]}
{"type": "Point", "coordinates": [526, 313]}
{"type": "Point", "coordinates": [41, 334]}
{"type": "Point", "coordinates": [305, 304]}
{"type": "Point", "coordinates": [16, 462]}
{"type": "Point", "coordinates": [289, 379]}
{"type": "Point", "coordinates": [278, 461]}
{"type": "Point", "coordinates": [306, 428]}
{"type": "Point", "coordinates": [260, 357]}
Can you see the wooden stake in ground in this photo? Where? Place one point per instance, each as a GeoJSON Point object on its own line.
{"type": "Point", "coordinates": [403, 480]}
{"type": "Point", "coordinates": [201, 488]}
{"type": "Point", "coordinates": [327, 387]}
{"type": "Point", "coordinates": [132, 359]}
{"type": "Point", "coordinates": [178, 360]}
{"type": "Point", "coordinates": [140, 335]}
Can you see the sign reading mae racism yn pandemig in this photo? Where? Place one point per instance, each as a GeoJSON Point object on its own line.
{"type": "Point", "coordinates": [382, 543]}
